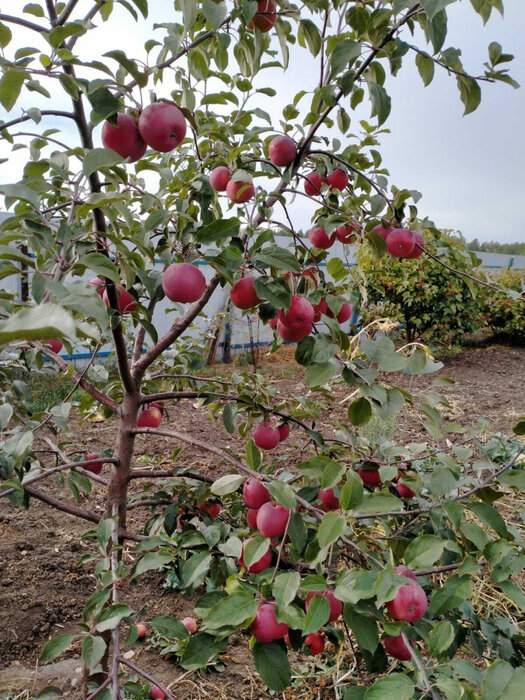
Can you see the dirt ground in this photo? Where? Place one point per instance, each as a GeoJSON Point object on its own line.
{"type": "Point", "coordinates": [42, 587]}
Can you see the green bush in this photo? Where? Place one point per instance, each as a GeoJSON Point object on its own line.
{"type": "Point", "coordinates": [505, 315]}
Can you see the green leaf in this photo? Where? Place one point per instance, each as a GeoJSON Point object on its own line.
{"type": "Point", "coordinates": [38, 323]}
{"type": "Point", "coordinates": [112, 616]}
{"type": "Point", "coordinates": [100, 158]}
{"type": "Point", "coordinates": [218, 231]}
{"type": "Point", "coordinates": [104, 104]}
{"type": "Point", "coordinates": [363, 627]}
{"type": "Point", "coordinates": [130, 66]}
{"type": "Point", "coordinates": [93, 649]}
{"type": "Point", "coordinates": [396, 686]}
{"type": "Point", "coordinates": [360, 411]}
{"type": "Point", "coordinates": [352, 491]}
{"type": "Point", "coordinates": [57, 35]}
{"type": "Point", "coordinates": [451, 594]}
{"type": "Point", "coordinates": [502, 682]}
{"type": "Point", "coordinates": [424, 551]}
{"type": "Point", "coordinates": [331, 528]}
{"type": "Point", "coordinates": [355, 585]}
{"type": "Point", "coordinates": [195, 569]}
{"type": "Point", "coordinates": [231, 611]}
{"type": "Point", "coordinates": [308, 32]}
{"type": "Point", "coordinates": [319, 373]}
{"type": "Point", "coordinates": [432, 7]}
{"type": "Point", "coordinates": [441, 637]}
{"type": "Point", "coordinates": [10, 87]}
{"type": "Point", "coordinates": [274, 290]}
{"type": "Point", "coordinates": [425, 66]}
{"type": "Point", "coordinates": [214, 12]}
{"type": "Point", "coordinates": [381, 102]}
{"type": "Point", "coordinates": [6, 411]}
{"type": "Point", "coordinates": [19, 191]}
{"type": "Point", "coordinates": [282, 493]}
{"type": "Point", "coordinates": [285, 588]}
{"type": "Point", "coordinates": [55, 647]}
{"type": "Point", "coordinates": [280, 258]}
{"type": "Point", "coordinates": [519, 428]}
{"type": "Point", "coordinates": [272, 665]}
{"type": "Point", "coordinates": [379, 503]}
{"type": "Point", "coordinates": [228, 417]}
{"type": "Point", "coordinates": [255, 549]}
{"type": "Point", "coordinates": [470, 93]}
{"type": "Point", "coordinates": [514, 592]}
{"type": "Point", "coordinates": [253, 455]}
{"type": "Point", "coordinates": [201, 649]}
{"type": "Point", "coordinates": [226, 484]}
{"type": "Point", "coordinates": [153, 561]}
{"type": "Point", "coordinates": [169, 627]}
{"type": "Point", "coordinates": [344, 52]}
{"type": "Point", "coordinates": [101, 265]}
{"type": "Point", "coordinates": [317, 614]}
{"type": "Point", "coordinates": [297, 531]}
{"type": "Point", "coordinates": [490, 517]}
{"type": "Point", "coordinates": [5, 35]}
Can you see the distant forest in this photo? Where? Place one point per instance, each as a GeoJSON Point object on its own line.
{"type": "Point", "coordinates": [495, 247]}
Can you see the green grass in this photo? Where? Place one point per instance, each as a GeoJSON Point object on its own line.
{"type": "Point", "coordinates": [48, 389]}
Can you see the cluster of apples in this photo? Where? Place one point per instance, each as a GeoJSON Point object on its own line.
{"type": "Point", "coordinates": [267, 437]}
{"type": "Point", "coordinates": [409, 605]}
{"type": "Point", "coordinates": [126, 303]}
{"type": "Point", "coordinates": [401, 242]}
{"type": "Point", "coordinates": [313, 182]}
{"type": "Point", "coordinates": [371, 477]}
{"type": "Point", "coordinates": [346, 233]}
{"type": "Point", "coordinates": [161, 126]}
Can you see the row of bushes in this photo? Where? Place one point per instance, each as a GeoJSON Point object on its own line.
{"type": "Point", "coordinates": [436, 304]}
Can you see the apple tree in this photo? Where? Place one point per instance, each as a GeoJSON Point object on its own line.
{"type": "Point", "coordinates": [364, 544]}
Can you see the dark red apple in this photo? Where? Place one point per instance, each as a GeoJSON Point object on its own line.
{"type": "Point", "coordinates": [282, 150]}
{"type": "Point", "coordinates": [272, 520]}
{"type": "Point", "coordinates": [409, 604]}
{"type": "Point", "coordinates": [266, 436]}
{"type": "Point", "coordinates": [53, 344]}
{"type": "Point", "coordinates": [336, 606]}
{"type": "Point", "coordinates": [265, 627]}
{"type": "Point", "coordinates": [312, 184]}
{"type": "Point", "coordinates": [370, 477]}
{"type": "Point", "coordinates": [337, 180]}
{"type": "Point", "coordinates": [344, 313]}
{"type": "Point", "coordinates": [320, 239]}
{"type": "Point", "coordinates": [403, 570]}
{"type": "Point", "coordinates": [284, 431]}
{"type": "Point", "coordinates": [316, 643]}
{"type": "Point", "coordinates": [383, 231]}
{"type": "Point", "coordinates": [328, 499]}
{"type": "Point", "coordinates": [239, 191]}
{"type": "Point", "coordinates": [251, 518]}
{"type": "Point", "coordinates": [162, 126]}
{"type": "Point", "coordinates": [293, 335]}
{"type": "Point", "coordinates": [219, 178]}
{"type": "Point", "coordinates": [320, 308]}
{"type": "Point", "coordinates": [99, 285]}
{"type": "Point", "coordinates": [396, 647]}
{"type": "Point", "coordinates": [212, 508]}
{"type": "Point", "coordinates": [243, 294]}
{"type": "Point", "coordinates": [141, 630]}
{"type": "Point", "coordinates": [190, 624]}
{"type": "Point", "coordinates": [419, 247]}
{"type": "Point", "coordinates": [400, 242]}
{"type": "Point", "coordinates": [348, 233]}
{"type": "Point", "coordinates": [126, 303]}
{"type": "Point", "coordinates": [183, 282]}
{"type": "Point", "coordinates": [149, 418]}
{"type": "Point", "coordinates": [125, 138]}
{"type": "Point", "coordinates": [95, 468]}
{"type": "Point", "coordinates": [255, 493]}
{"type": "Point", "coordinates": [264, 18]}
{"type": "Point", "coordinates": [156, 693]}
{"type": "Point", "coordinates": [299, 316]}
{"type": "Point", "coordinates": [404, 491]}
{"type": "Point", "coordinates": [257, 566]}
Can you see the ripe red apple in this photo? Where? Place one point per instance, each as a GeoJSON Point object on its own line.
{"type": "Point", "coordinates": [370, 477]}
{"type": "Point", "coordinates": [265, 436]}
{"type": "Point", "coordinates": [316, 643]}
{"type": "Point", "coordinates": [141, 630]}
{"type": "Point", "coordinates": [212, 508]}
{"type": "Point", "coordinates": [95, 468]}
{"type": "Point", "coordinates": [183, 282]}
{"type": "Point", "coordinates": [124, 138]}
{"type": "Point", "coordinates": [328, 499]}
{"type": "Point", "coordinates": [99, 284]}
{"type": "Point", "coordinates": [337, 180]}
{"type": "Point", "coordinates": [321, 308]}
{"type": "Point", "coordinates": [272, 520]}
{"type": "Point", "coordinates": [300, 314]}
{"type": "Point", "coordinates": [265, 627]}
{"type": "Point", "coordinates": [264, 18]}
{"type": "Point", "coordinates": [156, 693]}
{"type": "Point", "coordinates": [312, 184]}
{"type": "Point", "coordinates": [257, 566]}
{"type": "Point", "coordinates": [293, 335]}
{"type": "Point", "coordinates": [383, 231]}
{"type": "Point", "coordinates": [282, 150]}
{"type": "Point", "coordinates": [239, 191]}
{"type": "Point", "coordinates": [396, 647]}
{"type": "Point", "coordinates": [149, 418]}
{"type": "Point", "coordinates": [251, 518]}
{"type": "Point", "coordinates": [255, 493]}
{"type": "Point", "coordinates": [345, 313]}
{"type": "Point", "coordinates": [53, 344]}
{"type": "Point", "coordinates": [403, 570]}
{"type": "Point", "coordinates": [190, 624]}
{"type": "Point", "coordinates": [348, 233]}
{"type": "Point", "coordinates": [284, 431]}
{"type": "Point", "coordinates": [409, 604]}
{"type": "Point", "coordinates": [243, 294]}
{"type": "Point", "coordinates": [404, 491]}
{"type": "Point", "coordinates": [400, 242]}
{"type": "Point", "coordinates": [126, 303]}
{"type": "Point", "coordinates": [336, 607]}
{"type": "Point", "coordinates": [320, 239]}
{"type": "Point", "coordinates": [418, 247]}
{"type": "Point", "coordinates": [219, 178]}
{"type": "Point", "coordinates": [162, 126]}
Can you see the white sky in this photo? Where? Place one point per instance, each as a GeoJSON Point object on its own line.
{"type": "Point", "coordinates": [469, 169]}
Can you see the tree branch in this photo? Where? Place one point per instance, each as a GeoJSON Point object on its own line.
{"type": "Point", "coordinates": [24, 23]}
{"type": "Point", "coordinates": [43, 112]}
{"type": "Point", "coordinates": [67, 11]}
{"type": "Point", "coordinates": [419, 666]}
{"type": "Point", "coordinates": [147, 676]}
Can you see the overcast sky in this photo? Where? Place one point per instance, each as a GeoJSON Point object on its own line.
{"type": "Point", "coordinates": [469, 169]}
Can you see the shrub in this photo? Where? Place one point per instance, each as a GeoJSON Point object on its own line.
{"type": "Point", "coordinates": [505, 314]}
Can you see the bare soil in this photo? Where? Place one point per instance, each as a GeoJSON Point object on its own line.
{"type": "Point", "coordinates": [43, 588]}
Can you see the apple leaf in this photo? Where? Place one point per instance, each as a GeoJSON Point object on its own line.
{"type": "Point", "coordinates": [396, 686]}
{"type": "Point", "coordinates": [38, 323]}
{"type": "Point", "coordinates": [440, 638]}
{"type": "Point", "coordinates": [201, 649]}
{"type": "Point", "coordinates": [231, 611]}
{"type": "Point", "coordinates": [55, 647]}
{"type": "Point", "coordinates": [317, 614]}
{"type": "Point", "coordinates": [169, 627]}
{"type": "Point", "coordinates": [272, 665]}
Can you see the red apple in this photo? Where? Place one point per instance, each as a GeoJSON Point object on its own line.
{"type": "Point", "coordinates": [320, 239]}
{"type": "Point", "coordinates": [409, 604]}
{"type": "Point", "coordinates": [183, 282]}
{"type": "Point", "coordinates": [156, 693]}
{"type": "Point", "coordinates": [239, 191]}
{"type": "Point", "coordinates": [316, 643]}
{"type": "Point", "coordinates": [141, 630]}
{"type": "Point", "coordinates": [251, 518]}
{"type": "Point", "coordinates": [212, 508]}
{"type": "Point", "coordinates": [321, 308]}
{"type": "Point", "coordinates": [95, 468]}
{"type": "Point", "coordinates": [264, 18]}
{"type": "Point", "coordinates": [265, 436]}
{"type": "Point", "coordinates": [255, 493]}
{"type": "Point", "coordinates": [219, 178]}
{"type": "Point", "coordinates": [282, 150]}
{"type": "Point", "coordinates": [418, 247]}
{"type": "Point", "coordinates": [258, 566]}
{"type": "Point", "coordinates": [370, 477]}
{"type": "Point", "coordinates": [99, 284]}
{"type": "Point", "coordinates": [404, 491]}
{"type": "Point", "coordinates": [284, 431]}
{"type": "Point", "coordinates": [337, 180]}
{"type": "Point", "coordinates": [149, 418]}
{"type": "Point", "coordinates": [312, 184]}
{"type": "Point", "coordinates": [272, 520]}
{"type": "Point", "coordinates": [383, 231]}
{"type": "Point", "coordinates": [124, 138]}
{"type": "Point", "coordinates": [403, 570]}
{"type": "Point", "coordinates": [243, 294]}
{"type": "Point", "coordinates": [400, 242]}
{"type": "Point", "coordinates": [328, 499]}
{"type": "Point", "coordinates": [345, 313]}
{"type": "Point", "coordinates": [53, 344]}
{"type": "Point", "coordinates": [293, 335]}
{"type": "Point", "coordinates": [336, 607]}
{"type": "Point", "coordinates": [162, 126]}
{"type": "Point", "coordinates": [190, 624]}
{"type": "Point", "coordinates": [300, 315]}
{"type": "Point", "coordinates": [348, 233]}
{"type": "Point", "coordinates": [396, 647]}
{"type": "Point", "coordinates": [273, 322]}
{"type": "Point", "coordinates": [126, 303]}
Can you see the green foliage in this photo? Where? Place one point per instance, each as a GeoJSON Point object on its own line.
{"type": "Point", "coordinates": [504, 314]}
